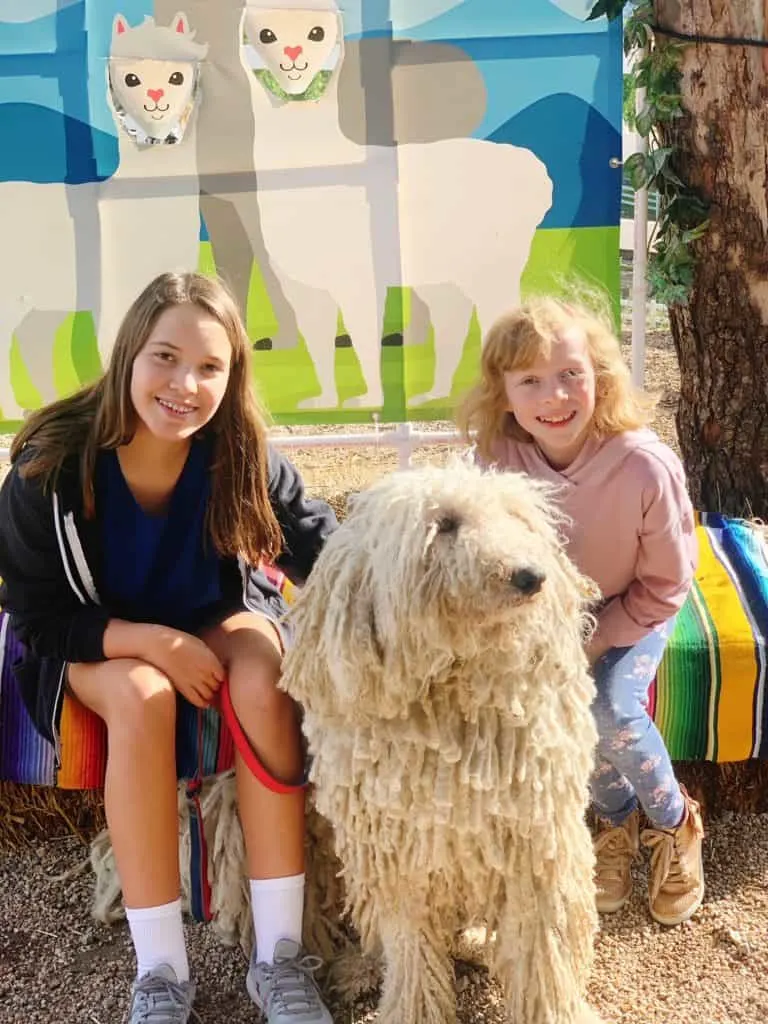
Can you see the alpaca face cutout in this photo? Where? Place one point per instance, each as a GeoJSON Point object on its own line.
{"type": "Point", "coordinates": [154, 76]}
{"type": "Point", "coordinates": [294, 46]}
{"type": "Point", "coordinates": [154, 94]}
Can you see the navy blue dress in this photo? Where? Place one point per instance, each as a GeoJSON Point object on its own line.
{"type": "Point", "coordinates": [159, 568]}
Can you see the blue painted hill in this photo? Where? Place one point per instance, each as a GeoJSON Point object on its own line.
{"type": "Point", "coordinates": [43, 145]}
{"type": "Point", "coordinates": [565, 132]}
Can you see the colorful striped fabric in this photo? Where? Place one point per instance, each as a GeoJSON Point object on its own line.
{"type": "Point", "coordinates": [708, 699]}
{"type": "Point", "coordinates": [27, 758]}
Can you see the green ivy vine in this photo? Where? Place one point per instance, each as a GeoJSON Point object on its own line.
{"type": "Point", "coordinates": [683, 212]}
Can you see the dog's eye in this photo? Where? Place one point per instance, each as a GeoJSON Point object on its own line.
{"type": "Point", "coordinates": [317, 35]}
{"type": "Point", "coordinates": [447, 524]}
{"type": "Point", "coordinates": [267, 36]}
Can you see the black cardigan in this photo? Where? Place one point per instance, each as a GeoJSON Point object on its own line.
{"type": "Point", "coordinates": [50, 566]}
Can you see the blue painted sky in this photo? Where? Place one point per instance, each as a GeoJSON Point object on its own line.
{"type": "Point", "coordinates": [37, 36]}
{"type": "Point", "coordinates": [527, 50]}
{"type": "Point", "coordinates": [29, 26]}
{"type": "Point", "coordinates": [31, 10]}
{"type": "Point", "coordinates": [403, 13]}
{"type": "Point", "coordinates": [508, 17]}
{"type": "Point", "coordinates": [462, 18]}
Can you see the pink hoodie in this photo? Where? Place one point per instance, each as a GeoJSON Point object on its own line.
{"type": "Point", "coordinates": [631, 529]}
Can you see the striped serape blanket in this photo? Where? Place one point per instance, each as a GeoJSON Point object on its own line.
{"type": "Point", "coordinates": [25, 757]}
{"type": "Point", "coordinates": [708, 699]}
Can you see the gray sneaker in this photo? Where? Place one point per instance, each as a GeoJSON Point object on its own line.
{"type": "Point", "coordinates": [158, 997]}
{"type": "Point", "coordinates": [286, 991]}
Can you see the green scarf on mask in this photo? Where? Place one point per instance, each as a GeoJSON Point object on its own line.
{"type": "Point", "coordinates": [314, 90]}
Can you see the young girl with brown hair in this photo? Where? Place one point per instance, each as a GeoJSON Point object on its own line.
{"type": "Point", "coordinates": [132, 523]}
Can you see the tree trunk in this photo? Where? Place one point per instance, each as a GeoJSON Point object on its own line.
{"type": "Point", "coordinates": [721, 337]}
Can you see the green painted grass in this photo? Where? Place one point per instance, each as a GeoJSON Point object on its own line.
{"type": "Point", "coordinates": [286, 377]}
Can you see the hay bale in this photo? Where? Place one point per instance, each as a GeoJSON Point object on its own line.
{"type": "Point", "coordinates": [739, 787]}
{"type": "Point", "coordinates": [40, 812]}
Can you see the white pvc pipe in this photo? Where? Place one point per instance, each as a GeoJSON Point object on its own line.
{"type": "Point", "coordinates": [639, 263]}
{"type": "Point", "coordinates": [403, 437]}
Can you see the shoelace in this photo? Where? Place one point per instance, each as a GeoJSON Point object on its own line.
{"type": "Point", "coordinates": [612, 847]}
{"type": "Point", "coordinates": [160, 1001]}
{"type": "Point", "coordinates": [291, 986]}
{"type": "Point", "coordinates": [668, 868]}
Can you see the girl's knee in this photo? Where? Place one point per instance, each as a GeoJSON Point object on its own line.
{"type": "Point", "coordinates": [618, 700]}
{"type": "Point", "coordinates": [254, 687]}
{"type": "Point", "coordinates": [621, 721]}
{"type": "Point", "coordinates": [142, 698]}
{"type": "Point", "coordinates": [249, 646]}
{"type": "Point", "coordinates": [621, 730]}
{"type": "Point", "coordinates": [610, 712]}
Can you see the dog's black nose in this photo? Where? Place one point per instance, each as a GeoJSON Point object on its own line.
{"type": "Point", "coordinates": [527, 581]}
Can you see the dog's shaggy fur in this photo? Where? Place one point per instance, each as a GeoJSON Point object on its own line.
{"type": "Point", "coordinates": [439, 658]}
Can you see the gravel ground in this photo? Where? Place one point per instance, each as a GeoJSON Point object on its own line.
{"type": "Point", "coordinates": [57, 965]}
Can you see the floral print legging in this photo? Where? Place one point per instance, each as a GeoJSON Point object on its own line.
{"type": "Point", "coordinates": [632, 763]}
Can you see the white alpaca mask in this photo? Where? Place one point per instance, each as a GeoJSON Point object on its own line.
{"type": "Point", "coordinates": [154, 78]}
{"type": "Point", "coordinates": [293, 51]}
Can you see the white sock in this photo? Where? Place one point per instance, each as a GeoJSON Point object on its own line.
{"type": "Point", "coordinates": [158, 938]}
{"type": "Point", "coordinates": [278, 913]}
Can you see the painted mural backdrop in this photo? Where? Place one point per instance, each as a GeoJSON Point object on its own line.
{"type": "Point", "coordinates": [376, 179]}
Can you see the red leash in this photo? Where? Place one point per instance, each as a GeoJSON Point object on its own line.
{"type": "Point", "coordinates": [200, 894]}
{"type": "Point", "coordinates": [246, 751]}
{"type": "Point", "coordinates": [200, 888]}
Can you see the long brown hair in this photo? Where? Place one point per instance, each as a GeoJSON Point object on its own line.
{"type": "Point", "coordinates": [519, 337]}
{"type": "Point", "coordinates": [102, 416]}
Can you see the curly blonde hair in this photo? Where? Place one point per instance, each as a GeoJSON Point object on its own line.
{"type": "Point", "coordinates": [519, 338]}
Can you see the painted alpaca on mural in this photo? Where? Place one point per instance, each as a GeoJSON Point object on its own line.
{"type": "Point", "coordinates": [95, 246]}
{"type": "Point", "coordinates": [296, 129]}
{"type": "Point", "coordinates": [414, 92]}
{"type": "Point", "coordinates": [436, 217]}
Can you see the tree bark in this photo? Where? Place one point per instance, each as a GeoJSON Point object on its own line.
{"type": "Point", "coordinates": [721, 336]}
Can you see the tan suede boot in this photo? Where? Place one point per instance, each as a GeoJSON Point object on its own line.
{"type": "Point", "coordinates": [676, 883]}
{"type": "Point", "coordinates": [616, 846]}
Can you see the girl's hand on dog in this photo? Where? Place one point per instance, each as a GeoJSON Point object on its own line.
{"type": "Point", "coordinates": [190, 664]}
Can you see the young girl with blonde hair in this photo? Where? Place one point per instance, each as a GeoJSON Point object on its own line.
{"type": "Point", "coordinates": [555, 401]}
{"type": "Point", "coordinates": [132, 523]}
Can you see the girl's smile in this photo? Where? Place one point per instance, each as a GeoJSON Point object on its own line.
{"type": "Point", "coordinates": [174, 409]}
{"type": "Point", "coordinates": [557, 421]}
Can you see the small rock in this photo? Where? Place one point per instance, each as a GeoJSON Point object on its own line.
{"type": "Point", "coordinates": [731, 937]}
